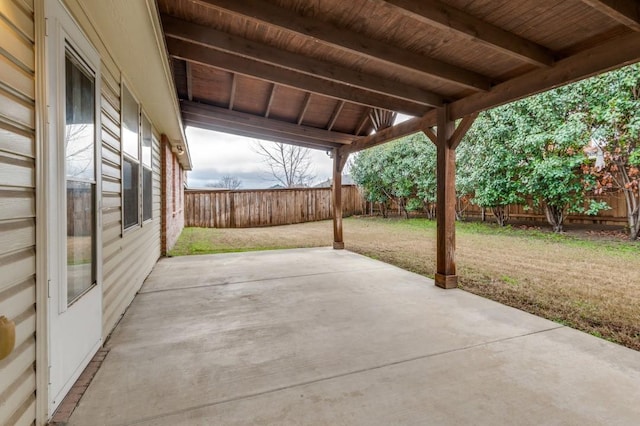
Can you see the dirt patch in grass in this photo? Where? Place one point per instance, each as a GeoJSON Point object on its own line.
{"type": "Point", "coordinates": [584, 282]}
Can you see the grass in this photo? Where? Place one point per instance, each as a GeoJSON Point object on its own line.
{"type": "Point", "coordinates": [589, 284]}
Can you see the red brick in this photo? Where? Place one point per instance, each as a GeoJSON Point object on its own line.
{"type": "Point", "coordinates": [172, 196]}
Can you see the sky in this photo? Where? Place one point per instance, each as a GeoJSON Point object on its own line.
{"type": "Point", "coordinates": [215, 154]}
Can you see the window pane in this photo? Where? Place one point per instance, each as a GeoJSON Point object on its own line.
{"type": "Point", "coordinates": [81, 241]}
{"type": "Point", "coordinates": [130, 192]}
{"type": "Point", "coordinates": [147, 192]}
{"type": "Point", "coordinates": [146, 142]}
{"type": "Point", "coordinates": [79, 122]}
{"type": "Point", "coordinates": [130, 124]}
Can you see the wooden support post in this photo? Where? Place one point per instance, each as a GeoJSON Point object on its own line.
{"type": "Point", "coordinates": [446, 206]}
{"type": "Point", "coordinates": [339, 160]}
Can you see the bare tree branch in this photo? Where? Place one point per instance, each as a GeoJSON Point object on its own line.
{"type": "Point", "coordinates": [227, 182]}
{"type": "Point", "coordinates": [290, 165]}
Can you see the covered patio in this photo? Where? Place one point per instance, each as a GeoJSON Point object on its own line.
{"type": "Point", "coordinates": [325, 337]}
{"type": "Point", "coordinates": [333, 76]}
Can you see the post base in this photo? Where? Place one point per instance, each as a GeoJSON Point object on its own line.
{"type": "Point", "coordinates": [446, 281]}
{"type": "Point", "coordinates": [338, 245]}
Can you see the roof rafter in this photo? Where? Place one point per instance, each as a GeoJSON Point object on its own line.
{"type": "Point", "coordinates": [363, 121]}
{"type": "Point", "coordinates": [441, 15]}
{"type": "Point", "coordinates": [224, 42]}
{"type": "Point", "coordinates": [329, 34]}
{"type": "Point", "coordinates": [305, 106]}
{"type": "Point", "coordinates": [232, 91]}
{"type": "Point", "coordinates": [243, 120]}
{"type": "Point", "coordinates": [209, 57]}
{"type": "Point", "coordinates": [189, 80]}
{"type": "Point", "coordinates": [335, 114]}
{"type": "Point", "coordinates": [627, 12]}
{"type": "Point", "coordinates": [272, 96]}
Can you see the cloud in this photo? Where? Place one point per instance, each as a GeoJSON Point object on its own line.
{"type": "Point", "coordinates": [215, 154]}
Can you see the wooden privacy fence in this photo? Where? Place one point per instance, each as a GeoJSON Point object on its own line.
{"type": "Point", "coordinates": [616, 215]}
{"type": "Point", "coordinates": [265, 207]}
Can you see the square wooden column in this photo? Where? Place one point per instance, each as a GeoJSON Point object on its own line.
{"type": "Point", "coordinates": [446, 202]}
{"type": "Point", "coordinates": [339, 161]}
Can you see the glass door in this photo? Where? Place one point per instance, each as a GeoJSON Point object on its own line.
{"type": "Point", "coordinates": [72, 155]}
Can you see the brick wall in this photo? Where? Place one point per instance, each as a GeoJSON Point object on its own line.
{"type": "Point", "coordinates": [172, 196]}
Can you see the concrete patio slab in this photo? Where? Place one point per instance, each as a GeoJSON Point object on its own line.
{"type": "Point", "coordinates": [324, 337]}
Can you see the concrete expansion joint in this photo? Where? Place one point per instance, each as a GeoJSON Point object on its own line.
{"type": "Point", "coordinates": [143, 292]}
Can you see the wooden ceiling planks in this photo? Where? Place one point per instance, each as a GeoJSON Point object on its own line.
{"type": "Point", "coordinates": [326, 64]}
{"type": "Point", "coordinates": [319, 112]}
{"type": "Point", "coordinates": [627, 12]}
{"type": "Point", "coordinates": [252, 95]}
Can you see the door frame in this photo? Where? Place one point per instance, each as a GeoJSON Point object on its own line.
{"type": "Point", "coordinates": [48, 111]}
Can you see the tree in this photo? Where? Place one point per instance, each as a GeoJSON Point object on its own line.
{"type": "Point", "coordinates": [366, 171]}
{"type": "Point", "coordinates": [403, 171]}
{"type": "Point", "coordinates": [496, 162]}
{"type": "Point", "coordinates": [531, 148]}
{"type": "Point", "coordinates": [553, 144]}
{"type": "Point", "coordinates": [612, 118]}
{"type": "Point", "coordinates": [290, 165]}
{"type": "Point", "coordinates": [466, 171]}
{"type": "Point", "coordinates": [227, 182]}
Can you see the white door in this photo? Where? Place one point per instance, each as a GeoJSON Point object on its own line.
{"type": "Point", "coordinates": [73, 200]}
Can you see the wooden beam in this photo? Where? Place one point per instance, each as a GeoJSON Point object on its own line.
{"type": "Point", "coordinates": [627, 12]}
{"type": "Point", "coordinates": [339, 161]}
{"type": "Point", "coordinates": [430, 134]}
{"type": "Point", "coordinates": [411, 126]}
{"type": "Point", "coordinates": [272, 95]}
{"type": "Point", "coordinates": [232, 96]}
{"type": "Point", "coordinates": [605, 57]}
{"type": "Point", "coordinates": [335, 115]}
{"type": "Point", "coordinates": [462, 129]}
{"type": "Point", "coordinates": [189, 79]}
{"type": "Point", "coordinates": [345, 40]}
{"type": "Point", "coordinates": [443, 16]}
{"type": "Point", "coordinates": [363, 121]}
{"type": "Point", "coordinates": [252, 132]}
{"type": "Point", "coordinates": [445, 276]}
{"type": "Point", "coordinates": [259, 123]}
{"type": "Point", "coordinates": [214, 39]}
{"type": "Point", "coordinates": [236, 64]}
{"type": "Point", "coordinates": [305, 106]}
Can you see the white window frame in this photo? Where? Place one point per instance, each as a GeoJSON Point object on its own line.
{"type": "Point", "coordinates": [143, 115]}
{"type": "Point", "coordinates": [124, 156]}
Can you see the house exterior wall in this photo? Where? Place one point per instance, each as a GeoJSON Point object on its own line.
{"type": "Point", "coordinates": [172, 197]}
{"type": "Point", "coordinates": [127, 256]}
{"type": "Point", "coordinates": [17, 208]}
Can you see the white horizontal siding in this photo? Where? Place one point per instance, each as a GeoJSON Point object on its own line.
{"type": "Point", "coordinates": [129, 258]}
{"type": "Point", "coordinates": [17, 208]}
